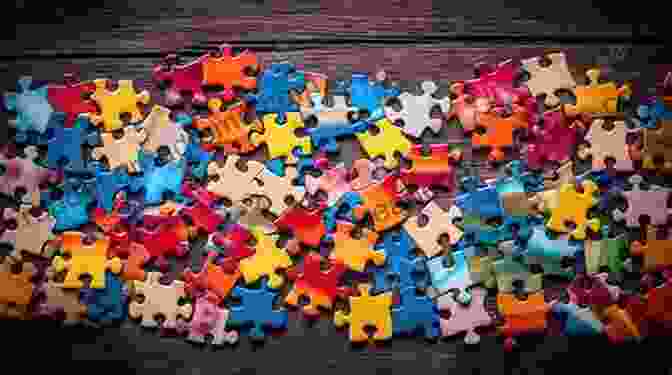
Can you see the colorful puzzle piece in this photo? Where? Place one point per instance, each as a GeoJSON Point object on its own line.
{"type": "Point", "coordinates": [577, 321]}
{"type": "Point", "coordinates": [181, 78]}
{"type": "Point", "coordinates": [548, 79]}
{"type": "Point", "coordinates": [416, 109]}
{"type": "Point", "coordinates": [369, 95]}
{"type": "Point", "coordinates": [164, 132]}
{"type": "Point", "coordinates": [72, 211]}
{"type": "Point", "coordinates": [597, 99]}
{"type": "Point", "coordinates": [280, 138]}
{"type": "Point", "coordinates": [657, 144]}
{"type": "Point", "coordinates": [608, 144]}
{"type": "Point", "coordinates": [320, 286]}
{"type": "Point", "coordinates": [229, 71]}
{"type": "Point", "coordinates": [431, 169]}
{"type": "Point", "coordinates": [367, 310]}
{"type": "Point", "coordinates": [109, 304]}
{"type": "Point", "coordinates": [31, 106]}
{"type": "Point", "coordinates": [498, 84]}
{"type": "Point", "coordinates": [522, 317]}
{"type": "Point", "coordinates": [159, 299]}
{"type": "Point", "coordinates": [256, 310]}
{"type": "Point", "coordinates": [122, 152]}
{"type": "Point", "coordinates": [59, 301]}
{"type": "Point", "coordinates": [446, 277]}
{"type": "Point", "coordinates": [655, 252]}
{"type": "Point", "coordinates": [17, 289]}
{"type": "Point", "coordinates": [160, 179]}
{"type": "Point", "coordinates": [23, 173]}
{"type": "Point", "coordinates": [305, 224]}
{"type": "Point", "coordinates": [465, 317]}
{"type": "Point", "coordinates": [509, 271]}
{"type": "Point", "coordinates": [230, 129]}
{"type": "Point", "coordinates": [113, 103]}
{"type": "Point", "coordinates": [415, 312]}
{"type": "Point", "coordinates": [210, 320]}
{"type": "Point", "coordinates": [72, 98]}
{"type": "Point", "coordinates": [498, 131]}
{"type": "Point", "coordinates": [355, 252]}
{"type": "Point", "coordinates": [233, 182]}
{"type": "Point", "coordinates": [31, 232]}
{"type": "Point", "coordinates": [65, 143]}
{"type": "Point", "coordinates": [553, 141]}
{"type": "Point", "coordinates": [275, 86]}
{"type": "Point", "coordinates": [85, 259]}
{"type": "Point", "coordinates": [573, 206]}
{"type": "Point", "coordinates": [381, 202]}
{"type": "Point", "coordinates": [266, 261]}
{"type": "Point", "coordinates": [386, 144]}
{"type": "Point", "coordinates": [211, 279]}
{"type": "Point", "coordinates": [439, 222]}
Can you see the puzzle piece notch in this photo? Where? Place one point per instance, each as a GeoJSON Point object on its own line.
{"type": "Point", "coordinates": [389, 141]}
{"type": "Point", "coordinates": [593, 290]}
{"type": "Point", "coordinates": [651, 203]}
{"type": "Point", "coordinates": [31, 232]}
{"type": "Point", "coordinates": [416, 110]}
{"type": "Point", "coordinates": [464, 317]}
{"type": "Point", "coordinates": [160, 179]}
{"type": "Point", "coordinates": [17, 289]}
{"type": "Point", "coordinates": [320, 286]}
{"type": "Point", "coordinates": [280, 138]}
{"type": "Point", "coordinates": [159, 299]}
{"type": "Point", "coordinates": [355, 253]}
{"type": "Point", "coordinates": [415, 312]}
{"type": "Point", "coordinates": [370, 95]}
{"type": "Point", "coordinates": [381, 201]}
{"type": "Point", "coordinates": [275, 86]}
{"type": "Point", "coordinates": [65, 143]}
{"type": "Point", "coordinates": [32, 106]}
{"type": "Point", "coordinates": [498, 84]}
{"type": "Point", "coordinates": [122, 152]}
{"type": "Point", "coordinates": [211, 279]}
{"type": "Point", "coordinates": [162, 131]}
{"type": "Point", "coordinates": [210, 319]}
{"type": "Point", "coordinates": [574, 206]}
{"type": "Point", "coordinates": [553, 141]}
{"type": "Point", "coordinates": [72, 98]}
{"type": "Point", "coordinates": [608, 144]}
{"type": "Point", "coordinates": [224, 69]}
{"type": "Point", "coordinates": [57, 301]}
{"type": "Point", "coordinates": [598, 99]}
{"type": "Point", "coordinates": [446, 277]}
{"type": "Point", "coordinates": [256, 310]}
{"type": "Point", "coordinates": [438, 223]}
{"type": "Point", "coordinates": [113, 104]}
{"type": "Point", "coordinates": [267, 261]}
{"type": "Point", "coordinates": [577, 321]}
{"type": "Point", "coordinates": [178, 78]}
{"type": "Point", "coordinates": [367, 310]}
{"type": "Point", "coordinates": [85, 259]}
{"type": "Point", "coordinates": [499, 131]}
{"type": "Point", "coordinates": [230, 129]}
{"type": "Point", "coordinates": [280, 191]}
{"type": "Point", "coordinates": [509, 271]}
{"type": "Point", "coordinates": [402, 268]}
{"type": "Point", "coordinates": [548, 79]}
{"type": "Point", "coordinates": [522, 317]}
{"type": "Point", "coordinates": [305, 224]}
{"type": "Point", "coordinates": [232, 182]}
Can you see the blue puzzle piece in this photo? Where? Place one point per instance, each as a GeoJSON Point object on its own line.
{"type": "Point", "coordinates": [107, 305]}
{"type": "Point", "coordinates": [274, 87]}
{"type": "Point", "coordinates": [456, 276]}
{"type": "Point", "coordinates": [31, 106]}
{"type": "Point", "coordinates": [304, 163]}
{"type": "Point", "coordinates": [72, 211]}
{"type": "Point", "coordinates": [539, 245]}
{"type": "Point", "coordinates": [479, 199]}
{"type": "Point", "coordinates": [65, 144]}
{"type": "Point", "coordinates": [650, 114]}
{"type": "Point", "coordinates": [370, 95]}
{"type": "Point", "coordinates": [325, 136]}
{"type": "Point", "coordinates": [256, 311]}
{"type": "Point", "coordinates": [407, 273]}
{"type": "Point", "coordinates": [520, 180]}
{"type": "Point", "coordinates": [414, 313]}
{"type": "Point", "coordinates": [198, 159]}
{"type": "Point", "coordinates": [342, 209]}
{"type": "Point", "coordinates": [109, 183]}
{"type": "Point", "coordinates": [159, 179]}
{"type": "Point", "coordinates": [576, 321]}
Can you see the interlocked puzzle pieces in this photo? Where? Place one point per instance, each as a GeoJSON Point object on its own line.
{"type": "Point", "coordinates": [608, 144]}
{"type": "Point", "coordinates": [369, 95]}
{"type": "Point", "coordinates": [163, 236]}
{"type": "Point", "coordinates": [17, 289]}
{"type": "Point", "coordinates": [113, 103]}
{"type": "Point", "coordinates": [266, 261]}
{"type": "Point", "coordinates": [381, 202]}
{"type": "Point", "coordinates": [257, 310]}
{"type": "Point", "coordinates": [181, 78]}
{"type": "Point", "coordinates": [415, 112]}
{"type": "Point", "coordinates": [72, 211]}
{"type": "Point", "coordinates": [72, 98]}
{"type": "Point", "coordinates": [355, 252]}
{"type": "Point", "coordinates": [465, 318]}
{"type": "Point", "coordinates": [415, 312]}
{"type": "Point", "coordinates": [597, 98]}
{"type": "Point", "coordinates": [386, 144]}
{"type": "Point", "coordinates": [109, 304]}
{"type": "Point", "coordinates": [231, 71]}
{"type": "Point", "coordinates": [274, 86]}
{"type": "Point", "coordinates": [212, 279]}
{"type": "Point", "coordinates": [163, 132]}
{"type": "Point", "coordinates": [160, 179]}
{"type": "Point", "coordinates": [401, 268]}
{"type": "Point", "coordinates": [31, 106]}
{"type": "Point", "coordinates": [321, 287]}
{"type": "Point", "coordinates": [306, 224]}
{"type": "Point", "coordinates": [439, 222]}
{"type": "Point", "coordinates": [229, 127]}
{"type": "Point", "coordinates": [367, 310]}
{"type": "Point", "coordinates": [159, 299]}
{"type": "Point", "coordinates": [548, 79]}
{"type": "Point", "coordinates": [122, 152]}
{"type": "Point", "coordinates": [31, 233]}
{"type": "Point", "coordinates": [210, 319]}
{"type": "Point", "coordinates": [85, 259]}
{"type": "Point", "coordinates": [573, 207]}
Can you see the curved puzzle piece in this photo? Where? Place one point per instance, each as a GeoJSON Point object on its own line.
{"type": "Point", "coordinates": [593, 290]}
{"type": "Point", "coordinates": [135, 257]}
{"type": "Point", "coordinates": [369, 95]}
{"type": "Point", "coordinates": [465, 317]}
{"type": "Point", "coordinates": [280, 138]}
{"type": "Point", "coordinates": [498, 84]}
{"type": "Point", "coordinates": [160, 179]}
{"type": "Point", "coordinates": [31, 106]}
{"type": "Point", "coordinates": [181, 78]}
{"type": "Point", "coordinates": [109, 304]}
{"type": "Point", "coordinates": [229, 128]}
{"type": "Point", "coordinates": [415, 312]}
{"type": "Point", "coordinates": [85, 259]}
{"type": "Point", "coordinates": [159, 299]}
{"type": "Point", "coordinates": [479, 199]}
{"type": "Point", "coordinates": [122, 152]}
{"type": "Point", "coordinates": [401, 268]}
{"type": "Point", "coordinates": [499, 131]}
{"type": "Point", "coordinates": [232, 243]}
{"type": "Point", "coordinates": [573, 207]}
{"type": "Point", "coordinates": [65, 143]}
{"type": "Point", "coordinates": [550, 253]}
{"type": "Point", "coordinates": [200, 208]}
{"type": "Point", "coordinates": [266, 261]}
{"type": "Point", "coordinates": [554, 141]}
{"type": "Point", "coordinates": [256, 310]}
{"type": "Point", "coordinates": [355, 252]}
{"type": "Point", "coordinates": [163, 132]}
{"type": "Point", "coordinates": [210, 320]}
{"type": "Point", "coordinates": [229, 71]}
{"type": "Point", "coordinates": [416, 109]}
{"type": "Point", "coordinates": [650, 203]}
{"type": "Point", "coordinates": [607, 144]}
{"type": "Point", "coordinates": [432, 169]}
{"type": "Point", "coordinates": [320, 286]}
{"type": "Point", "coordinates": [233, 183]}
{"type": "Point", "coordinates": [72, 211]}
{"type": "Point", "coordinates": [305, 224]}
{"type": "Point", "coordinates": [72, 98]}
{"type": "Point", "coordinates": [367, 310]}
{"type": "Point", "coordinates": [446, 278]}
{"type": "Point", "coordinates": [275, 86]}
{"type": "Point", "coordinates": [31, 233]}
{"type": "Point", "coordinates": [381, 202]}
{"type": "Point", "coordinates": [387, 143]}
{"type": "Point", "coordinates": [439, 222]}
{"type": "Point", "coordinates": [597, 99]}
{"type": "Point", "coordinates": [17, 289]}
{"type": "Point", "coordinates": [548, 79]}
{"type": "Point", "coordinates": [577, 321]}
{"type": "Point", "coordinates": [333, 181]}
{"type": "Point", "coordinates": [23, 173]}
{"type": "Point", "coordinates": [113, 103]}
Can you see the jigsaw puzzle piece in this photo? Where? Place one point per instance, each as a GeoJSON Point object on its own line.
{"type": "Point", "coordinates": [655, 252]}
{"type": "Point", "coordinates": [577, 321]}
{"type": "Point", "coordinates": [387, 143]}
{"type": "Point", "coordinates": [266, 261]}
{"type": "Point", "coordinates": [65, 143]}
{"type": "Point", "coordinates": [161, 179]}
{"type": "Point", "coordinates": [498, 84]}
{"type": "Point", "coordinates": [113, 103]}
{"type": "Point", "coordinates": [522, 316]}
{"type": "Point", "coordinates": [438, 223]}
{"type": "Point", "coordinates": [210, 320]}
{"type": "Point", "coordinates": [479, 199]}
{"type": "Point", "coordinates": [163, 236]}
{"type": "Point", "coordinates": [212, 280]}
{"type": "Point", "coordinates": [550, 253]}
{"type": "Point", "coordinates": [232, 181]}
{"type": "Point", "coordinates": [30, 234]}
{"type": "Point", "coordinates": [607, 252]}
{"type": "Point", "coordinates": [256, 310]}
{"type": "Point", "coordinates": [445, 276]}
{"type": "Point", "coordinates": [370, 95]}
{"type": "Point", "coordinates": [553, 140]}
{"type": "Point", "coordinates": [464, 317]}
{"type": "Point", "coordinates": [651, 114]}
{"type": "Point", "coordinates": [181, 78]}
{"type": "Point", "coordinates": [415, 312]}
{"type": "Point", "coordinates": [17, 289]}
{"type": "Point", "coordinates": [432, 166]}
{"type": "Point", "coordinates": [72, 98]}
{"type": "Point", "coordinates": [164, 132]}
{"type": "Point", "coordinates": [573, 207]}
{"type": "Point", "coordinates": [598, 99]}
{"type": "Point", "coordinates": [650, 203]}
{"type": "Point", "coordinates": [23, 174]}
{"type": "Point", "coordinates": [608, 145]}
{"type": "Point", "coordinates": [381, 201]}
{"type": "Point", "coordinates": [159, 299]}
{"type": "Point", "coordinates": [31, 106]}
{"type": "Point", "coordinates": [416, 110]}
{"type": "Point", "coordinates": [224, 69]}
{"type": "Point", "coordinates": [280, 138]}
{"type": "Point", "coordinates": [305, 224]}
{"type": "Point", "coordinates": [72, 211]}
{"type": "Point", "coordinates": [499, 131]}
{"type": "Point", "coordinates": [109, 183]}
{"type": "Point", "coordinates": [109, 304]}
{"type": "Point", "coordinates": [122, 152]}
{"type": "Point", "coordinates": [355, 253]}
{"type": "Point", "coordinates": [229, 127]}
{"type": "Point", "coordinates": [280, 191]}
{"type": "Point", "coordinates": [548, 79]}
{"type": "Point", "coordinates": [401, 268]}
{"type": "Point", "coordinates": [657, 146]}
{"type": "Point", "coordinates": [57, 301]}
{"type": "Point", "coordinates": [275, 85]}
{"type": "Point", "coordinates": [510, 271]}
{"type": "Point", "coordinates": [320, 286]}
{"type": "Point", "coordinates": [367, 310]}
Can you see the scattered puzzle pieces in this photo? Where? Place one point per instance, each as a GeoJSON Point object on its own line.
{"type": "Point", "coordinates": [114, 103]}
{"type": "Point", "coordinates": [367, 310]}
{"type": "Point", "coordinates": [416, 109]}
{"type": "Point", "coordinates": [256, 310]}
{"type": "Point", "coordinates": [548, 79]}
{"type": "Point", "coordinates": [598, 99]}
{"type": "Point", "coordinates": [465, 317]}
{"type": "Point", "coordinates": [321, 287]}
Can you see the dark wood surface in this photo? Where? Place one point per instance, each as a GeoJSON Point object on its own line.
{"type": "Point", "coordinates": [413, 41]}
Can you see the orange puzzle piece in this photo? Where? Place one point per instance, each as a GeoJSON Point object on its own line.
{"type": "Point", "coordinates": [16, 290]}
{"type": "Point", "coordinates": [498, 131]}
{"type": "Point", "coordinates": [228, 127]}
{"type": "Point", "coordinates": [380, 200]}
{"type": "Point", "coordinates": [136, 256]}
{"type": "Point", "coordinates": [85, 260]}
{"type": "Point", "coordinates": [355, 252]}
{"type": "Point", "coordinates": [657, 253]}
{"type": "Point", "coordinates": [212, 277]}
{"type": "Point", "coordinates": [522, 316]}
{"type": "Point", "coordinates": [231, 71]}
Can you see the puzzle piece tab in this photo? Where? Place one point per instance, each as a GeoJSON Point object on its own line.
{"type": "Point", "coordinates": [432, 169]}
{"type": "Point", "coordinates": [522, 317]}
{"type": "Point", "coordinates": [85, 259]}
{"type": "Point", "coordinates": [548, 79]}
{"type": "Point", "coordinates": [232, 182]}
{"type": "Point", "coordinates": [465, 317]}
{"type": "Point", "coordinates": [608, 144]}
{"type": "Point", "coordinates": [275, 85]}
{"type": "Point", "coordinates": [656, 252]}
{"type": "Point", "coordinates": [179, 78]}
{"type": "Point", "coordinates": [416, 109]}
{"type": "Point", "coordinates": [381, 202]}
{"type": "Point", "coordinates": [30, 235]}
{"type": "Point", "coordinates": [109, 304]}
{"type": "Point", "coordinates": [367, 310]}
{"type": "Point", "coordinates": [369, 95]}
{"type": "Point", "coordinates": [574, 206]}
{"type": "Point", "coordinates": [210, 320]}
{"type": "Point", "coordinates": [229, 71]}
{"type": "Point", "coordinates": [113, 103]}
{"type": "Point", "coordinates": [23, 173]}
{"type": "Point", "coordinates": [159, 299]}
{"type": "Point", "coordinates": [389, 141]}
{"type": "Point", "coordinates": [553, 141]}
{"type": "Point", "coordinates": [122, 152]}
{"type": "Point", "coordinates": [598, 99]}
{"type": "Point", "coordinates": [164, 132]}
{"type": "Point", "coordinates": [266, 261]}
{"type": "Point", "coordinates": [211, 279]}
{"type": "Point", "coordinates": [280, 138]}
{"type": "Point", "coordinates": [305, 224]}
{"type": "Point", "coordinates": [160, 179]}
{"type": "Point", "coordinates": [229, 128]}
{"type": "Point", "coordinates": [498, 84]}
{"type": "Point", "coordinates": [355, 253]}
{"type": "Point", "coordinates": [65, 143]}
{"type": "Point", "coordinates": [439, 222]}
{"type": "Point", "coordinates": [498, 131]}
{"type": "Point", "coordinates": [72, 98]}
{"type": "Point", "coordinates": [256, 310]}
{"type": "Point", "coordinates": [321, 287]}
{"type": "Point", "coordinates": [448, 277]}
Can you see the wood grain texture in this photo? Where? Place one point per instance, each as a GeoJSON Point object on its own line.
{"type": "Point", "coordinates": [413, 41]}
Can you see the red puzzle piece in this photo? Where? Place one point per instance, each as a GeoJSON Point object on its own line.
{"type": "Point", "coordinates": [200, 211]}
{"type": "Point", "coordinates": [320, 286]}
{"type": "Point", "coordinates": [235, 242]}
{"type": "Point", "coordinates": [187, 77]}
{"type": "Point", "coordinates": [553, 141]}
{"type": "Point", "coordinates": [163, 236]}
{"type": "Point", "coordinates": [231, 71]}
{"type": "Point", "coordinates": [433, 169]}
{"type": "Point", "coordinates": [135, 257]}
{"type": "Point", "coordinates": [306, 225]}
{"type": "Point", "coordinates": [466, 107]}
{"type": "Point", "coordinates": [72, 98]}
{"type": "Point", "coordinates": [212, 278]}
{"type": "Point", "coordinates": [497, 84]}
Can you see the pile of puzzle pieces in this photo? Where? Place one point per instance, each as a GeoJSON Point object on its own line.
{"type": "Point", "coordinates": [109, 194]}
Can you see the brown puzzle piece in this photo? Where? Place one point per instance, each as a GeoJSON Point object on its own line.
{"type": "Point", "coordinates": [656, 252]}
{"type": "Point", "coordinates": [657, 143]}
{"type": "Point", "coordinates": [59, 300]}
{"type": "Point", "coordinates": [16, 289]}
{"type": "Point", "coordinates": [31, 232]}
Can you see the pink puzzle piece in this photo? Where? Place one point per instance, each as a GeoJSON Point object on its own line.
{"type": "Point", "coordinates": [652, 203]}
{"type": "Point", "coordinates": [24, 173]}
{"type": "Point", "coordinates": [592, 290]}
{"type": "Point", "coordinates": [465, 318]}
{"type": "Point", "coordinates": [498, 84]}
{"type": "Point", "coordinates": [210, 320]}
{"type": "Point", "coordinates": [187, 77]}
{"type": "Point", "coordinates": [333, 182]}
{"type": "Point", "coordinates": [553, 141]}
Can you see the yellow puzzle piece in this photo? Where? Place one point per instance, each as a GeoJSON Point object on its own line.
{"type": "Point", "coordinates": [386, 143]}
{"type": "Point", "coordinates": [85, 260]}
{"type": "Point", "coordinates": [113, 103]}
{"type": "Point", "coordinates": [266, 261]}
{"type": "Point", "coordinates": [355, 252]}
{"type": "Point", "coordinates": [573, 207]}
{"type": "Point", "coordinates": [596, 98]}
{"type": "Point", "coordinates": [367, 310]}
{"type": "Point", "coordinates": [280, 139]}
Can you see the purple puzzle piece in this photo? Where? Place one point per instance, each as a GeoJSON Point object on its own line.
{"type": "Point", "coordinates": [465, 318]}
{"type": "Point", "coordinates": [652, 203]}
{"type": "Point", "coordinates": [553, 141]}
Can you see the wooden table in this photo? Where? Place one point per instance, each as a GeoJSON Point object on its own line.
{"type": "Point", "coordinates": [413, 41]}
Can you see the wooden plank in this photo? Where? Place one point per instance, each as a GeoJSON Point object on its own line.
{"type": "Point", "coordinates": [149, 27]}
